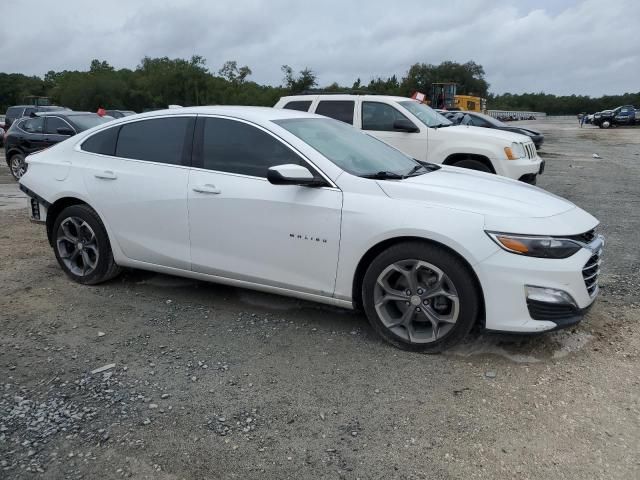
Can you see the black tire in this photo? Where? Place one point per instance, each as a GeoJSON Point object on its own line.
{"type": "Point", "coordinates": [605, 124]}
{"type": "Point", "coordinates": [472, 164]}
{"type": "Point", "coordinates": [106, 267]}
{"type": "Point", "coordinates": [11, 162]}
{"type": "Point", "coordinates": [457, 271]}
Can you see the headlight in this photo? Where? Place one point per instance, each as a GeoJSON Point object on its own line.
{"type": "Point", "coordinates": [515, 151]}
{"type": "Point", "coordinates": [531, 246]}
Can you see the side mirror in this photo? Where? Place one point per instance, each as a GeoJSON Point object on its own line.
{"type": "Point", "coordinates": [65, 131]}
{"type": "Point", "coordinates": [291, 174]}
{"type": "Point", "coordinates": [405, 126]}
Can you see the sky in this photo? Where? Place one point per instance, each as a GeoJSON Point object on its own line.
{"type": "Point", "coordinates": [588, 47]}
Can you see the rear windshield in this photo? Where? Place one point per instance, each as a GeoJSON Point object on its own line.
{"type": "Point", "coordinates": [14, 111]}
{"type": "Point", "coordinates": [90, 120]}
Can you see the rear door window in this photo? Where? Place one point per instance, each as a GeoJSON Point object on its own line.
{"type": "Point", "coordinates": [300, 105]}
{"type": "Point", "coordinates": [337, 109]}
{"type": "Point", "coordinates": [162, 140]}
{"type": "Point", "coordinates": [33, 125]}
{"type": "Point", "coordinates": [103, 142]}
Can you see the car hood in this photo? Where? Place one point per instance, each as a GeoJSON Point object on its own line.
{"type": "Point", "coordinates": [521, 130]}
{"type": "Point", "coordinates": [482, 133]}
{"type": "Point", "coordinates": [508, 205]}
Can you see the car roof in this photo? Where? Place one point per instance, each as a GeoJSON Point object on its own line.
{"type": "Point", "coordinates": [348, 96]}
{"type": "Point", "coordinates": [246, 112]}
{"type": "Point", "coordinates": [66, 113]}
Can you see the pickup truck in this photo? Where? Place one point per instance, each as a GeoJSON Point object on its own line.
{"type": "Point", "coordinates": [623, 115]}
{"type": "Point", "coordinates": [422, 133]}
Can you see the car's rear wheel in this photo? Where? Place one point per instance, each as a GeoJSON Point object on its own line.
{"type": "Point", "coordinates": [472, 164]}
{"type": "Point", "coordinates": [420, 297]}
{"type": "Point", "coordinates": [17, 165]}
{"type": "Point", "coordinates": [82, 247]}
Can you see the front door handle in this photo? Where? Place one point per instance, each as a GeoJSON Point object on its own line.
{"type": "Point", "coordinates": [207, 188]}
{"type": "Point", "coordinates": [106, 175]}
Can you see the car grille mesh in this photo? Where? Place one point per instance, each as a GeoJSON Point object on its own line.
{"type": "Point", "coordinates": [591, 271]}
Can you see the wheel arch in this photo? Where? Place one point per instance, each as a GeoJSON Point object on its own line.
{"type": "Point", "coordinates": [11, 152]}
{"type": "Point", "coordinates": [456, 157]}
{"type": "Point", "coordinates": [55, 209]}
{"type": "Point", "coordinates": [375, 250]}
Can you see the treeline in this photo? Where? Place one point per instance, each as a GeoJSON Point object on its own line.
{"type": "Point", "coordinates": [158, 82]}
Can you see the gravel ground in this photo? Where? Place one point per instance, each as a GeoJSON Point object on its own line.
{"type": "Point", "coordinates": [201, 381]}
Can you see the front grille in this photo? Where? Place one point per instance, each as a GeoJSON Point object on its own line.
{"type": "Point", "coordinates": [591, 271]}
{"type": "Point", "coordinates": [530, 149]}
{"type": "Point", "coordinates": [550, 311]}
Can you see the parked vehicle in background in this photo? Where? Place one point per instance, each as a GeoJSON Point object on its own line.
{"type": "Point", "coordinates": [420, 132]}
{"type": "Point", "coordinates": [486, 121]}
{"type": "Point", "coordinates": [623, 115]}
{"type": "Point", "coordinates": [3, 128]}
{"type": "Point", "coordinates": [42, 130]}
{"type": "Point", "coordinates": [19, 111]}
{"type": "Point", "coordinates": [120, 113]}
{"type": "Point", "coordinates": [302, 205]}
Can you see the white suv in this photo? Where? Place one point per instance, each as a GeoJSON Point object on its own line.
{"type": "Point", "coordinates": [419, 131]}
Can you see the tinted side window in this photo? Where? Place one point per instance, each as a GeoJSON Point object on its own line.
{"type": "Point", "coordinates": [103, 142]}
{"type": "Point", "coordinates": [33, 125]}
{"type": "Point", "coordinates": [301, 105]}
{"type": "Point", "coordinates": [156, 140]}
{"type": "Point", "coordinates": [380, 116]}
{"type": "Point", "coordinates": [236, 147]}
{"type": "Point", "coordinates": [15, 112]}
{"type": "Point", "coordinates": [339, 109]}
{"type": "Point", "coordinates": [28, 111]}
{"type": "Point", "coordinates": [52, 125]}
{"type": "Point", "coordinates": [478, 122]}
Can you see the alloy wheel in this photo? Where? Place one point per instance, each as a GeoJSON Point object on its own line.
{"type": "Point", "coordinates": [416, 301]}
{"type": "Point", "coordinates": [18, 166]}
{"type": "Point", "coordinates": [77, 246]}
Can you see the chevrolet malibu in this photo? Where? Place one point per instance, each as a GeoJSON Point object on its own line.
{"type": "Point", "coordinates": [302, 205]}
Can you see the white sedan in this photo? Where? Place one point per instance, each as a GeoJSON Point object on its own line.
{"type": "Point", "coordinates": [297, 204]}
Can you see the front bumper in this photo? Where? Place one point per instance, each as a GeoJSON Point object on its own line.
{"type": "Point", "coordinates": [504, 277]}
{"type": "Point", "coordinates": [521, 168]}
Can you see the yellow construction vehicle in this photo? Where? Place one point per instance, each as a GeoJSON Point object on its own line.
{"type": "Point", "coordinates": [443, 95]}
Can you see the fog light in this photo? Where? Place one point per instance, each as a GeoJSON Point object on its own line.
{"type": "Point", "coordinates": [549, 295]}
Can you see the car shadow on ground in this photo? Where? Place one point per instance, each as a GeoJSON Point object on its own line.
{"type": "Point", "coordinates": [479, 343]}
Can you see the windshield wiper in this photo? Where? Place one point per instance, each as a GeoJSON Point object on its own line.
{"type": "Point", "coordinates": [442, 125]}
{"type": "Point", "coordinates": [384, 175]}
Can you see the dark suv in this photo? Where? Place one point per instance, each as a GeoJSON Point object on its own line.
{"type": "Point", "coordinates": [19, 111]}
{"type": "Point", "coordinates": [42, 130]}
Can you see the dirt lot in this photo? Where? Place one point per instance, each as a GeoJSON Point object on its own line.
{"type": "Point", "coordinates": [215, 382]}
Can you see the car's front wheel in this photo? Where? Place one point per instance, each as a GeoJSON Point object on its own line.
{"type": "Point", "coordinates": [472, 164]}
{"type": "Point", "coordinates": [82, 247]}
{"type": "Point", "coordinates": [17, 165]}
{"type": "Point", "coordinates": [419, 296]}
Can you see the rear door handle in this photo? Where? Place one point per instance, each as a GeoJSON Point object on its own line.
{"type": "Point", "coordinates": [207, 188]}
{"type": "Point", "coordinates": [106, 175]}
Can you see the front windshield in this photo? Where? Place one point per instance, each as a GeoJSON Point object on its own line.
{"type": "Point", "coordinates": [90, 120]}
{"type": "Point", "coordinates": [425, 114]}
{"type": "Point", "coordinates": [349, 148]}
